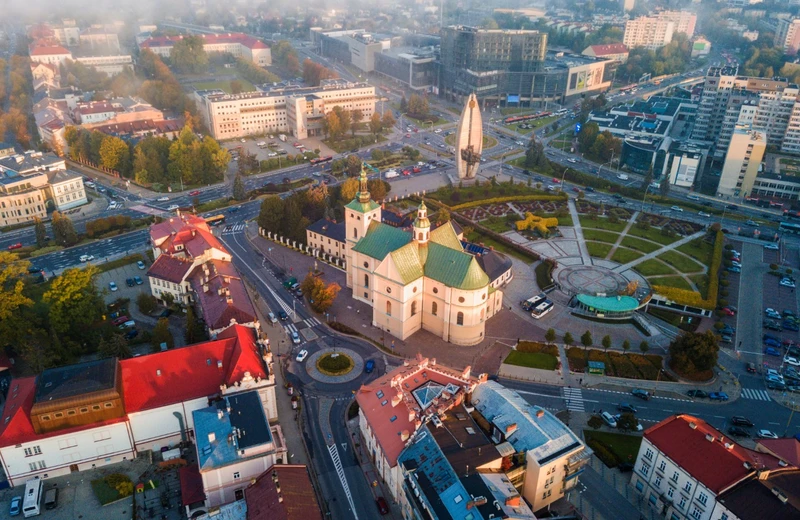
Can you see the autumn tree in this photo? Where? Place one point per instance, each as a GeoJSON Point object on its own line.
{"type": "Point", "coordinates": [320, 295]}
{"type": "Point", "coordinates": [270, 217]}
{"type": "Point", "coordinates": [115, 155]}
{"type": "Point", "coordinates": [377, 188]}
{"type": "Point", "coordinates": [63, 231]}
{"type": "Point", "coordinates": [375, 124]}
{"type": "Point", "coordinates": [442, 216]}
{"type": "Point", "coordinates": [146, 302]}
{"type": "Point", "coordinates": [418, 106]}
{"type": "Point", "coordinates": [188, 55]}
{"type": "Point", "coordinates": [332, 126]}
{"type": "Point", "coordinates": [348, 189]}
{"type": "Point", "coordinates": [693, 352]}
{"type": "Point", "coordinates": [356, 115]}
{"type": "Point", "coordinates": [12, 297]}
{"type": "Point", "coordinates": [74, 305]}
{"type": "Point", "coordinates": [388, 120]}
{"type": "Point", "coordinates": [353, 165]}
{"type": "Point", "coordinates": [40, 231]}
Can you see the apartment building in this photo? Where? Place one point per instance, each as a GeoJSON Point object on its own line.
{"type": "Point", "coordinates": [299, 111]}
{"type": "Point", "coordinates": [787, 35]}
{"type": "Point", "coordinates": [238, 44]}
{"type": "Point", "coordinates": [685, 21]}
{"type": "Point", "coordinates": [648, 32]}
{"type": "Point", "coordinates": [742, 162]}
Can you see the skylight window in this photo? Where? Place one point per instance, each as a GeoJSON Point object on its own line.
{"type": "Point", "coordinates": [379, 394]}
{"type": "Point", "coordinates": [384, 402]}
{"type": "Point", "coordinates": [458, 499]}
{"type": "Point", "coordinates": [393, 419]}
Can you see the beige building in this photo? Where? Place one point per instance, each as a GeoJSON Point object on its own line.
{"type": "Point", "coordinates": [648, 32]}
{"type": "Point", "coordinates": [327, 237]}
{"type": "Point", "coordinates": [417, 279]}
{"type": "Point", "coordinates": [611, 51]}
{"type": "Point", "coordinates": [742, 162]}
{"type": "Point", "coordinates": [297, 111]}
{"type": "Point", "coordinates": [238, 44]}
{"type": "Point", "coordinates": [787, 35]}
{"type": "Point", "coordinates": [685, 21]}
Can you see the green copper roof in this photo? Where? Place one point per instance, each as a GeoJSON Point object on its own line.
{"type": "Point", "coordinates": [407, 261]}
{"type": "Point", "coordinates": [362, 207]}
{"type": "Point", "coordinates": [454, 268]}
{"type": "Point", "coordinates": [381, 239]}
{"type": "Point", "coordinates": [610, 303]}
{"type": "Point", "coordinates": [445, 235]}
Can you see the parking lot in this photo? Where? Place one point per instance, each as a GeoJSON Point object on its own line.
{"type": "Point", "coordinates": [262, 153]}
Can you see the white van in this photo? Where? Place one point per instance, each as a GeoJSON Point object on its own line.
{"type": "Point", "coordinates": [622, 177]}
{"type": "Point", "coordinates": [391, 174]}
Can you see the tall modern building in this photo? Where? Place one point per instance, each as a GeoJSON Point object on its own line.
{"type": "Point", "coordinates": [742, 162]}
{"type": "Point", "coordinates": [494, 64]}
{"type": "Point", "coordinates": [787, 35]}
{"type": "Point", "coordinates": [469, 140]}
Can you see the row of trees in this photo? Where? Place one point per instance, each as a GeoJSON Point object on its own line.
{"type": "Point", "coordinates": [314, 73]}
{"type": "Point", "coordinates": [417, 106]}
{"type": "Point", "coordinates": [587, 340]}
{"type": "Point", "coordinates": [160, 86]}
{"type": "Point", "coordinates": [339, 121]}
{"type": "Point", "coordinates": [153, 159]}
{"type": "Point", "coordinates": [17, 119]}
{"type": "Point", "coordinates": [253, 73]}
{"type": "Point", "coordinates": [600, 145]}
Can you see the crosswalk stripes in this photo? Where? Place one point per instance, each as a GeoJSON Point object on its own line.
{"type": "Point", "coordinates": [312, 322]}
{"type": "Point", "coordinates": [290, 328]}
{"type": "Point", "coordinates": [235, 228]}
{"type": "Point", "coordinates": [758, 395]}
{"type": "Point", "coordinates": [574, 398]}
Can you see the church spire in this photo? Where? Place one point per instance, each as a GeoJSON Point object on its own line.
{"type": "Point", "coordinates": [363, 193]}
{"type": "Point", "coordinates": [422, 226]}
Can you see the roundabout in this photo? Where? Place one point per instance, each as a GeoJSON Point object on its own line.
{"type": "Point", "coordinates": [339, 365]}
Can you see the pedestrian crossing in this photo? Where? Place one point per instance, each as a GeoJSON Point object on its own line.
{"type": "Point", "coordinates": [312, 322]}
{"type": "Point", "coordinates": [758, 395]}
{"type": "Point", "coordinates": [309, 322]}
{"type": "Point", "coordinates": [574, 398]}
{"type": "Point", "coordinates": [233, 229]}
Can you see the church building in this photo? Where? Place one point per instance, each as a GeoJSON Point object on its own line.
{"type": "Point", "coordinates": [418, 278]}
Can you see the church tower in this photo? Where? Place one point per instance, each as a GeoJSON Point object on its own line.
{"type": "Point", "coordinates": [358, 215]}
{"type": "Point", "coordinates": [422, 226]}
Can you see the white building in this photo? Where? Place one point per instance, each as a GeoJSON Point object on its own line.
{"type": "Point", "coordinates": [238, 44]}
{"type": "Point", "coordinates": [787, 35]}
{"type": "Point", "coordinates": [53, 54]}
{"type": "Point", "coordinates": [108, 64]}
{"type": "Point", "coordinates": [742, 162]}
{"type": "Point", "coordinates": [657, 30]}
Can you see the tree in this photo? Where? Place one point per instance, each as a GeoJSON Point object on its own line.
{"type": "Point", "coordinates": [442, 216]}
{"type": "Point", "coordinates": [388, 120]}
{"type": "Point", "coordinates": [663, 188]}
{"type": "Point", "coordinates": [626, 346]}
{"type": "Point", "coordinates": [403, 104]}
{"type": "Point", "coordinates": [195, 331]}
{"type": "Point", "coordinates": [586, 339]}
{"type": "Point", "coordinates": [237, 87]}
{"type": "Point", "coordinates": [595, 422]}
{"type": "Point", "coordinates": [627, 422]}
{"type": "Point", "coordinates": [74, 305]}
{"type": "Point", "coordinates": [377, 188]}
{"type": "Point", "coordinates": [345, 119]}
{"type": "Point", "coordinates": [353, 165]}
{"type": "Point", "coordinates": [644, 347]}
{"type": "Point", "coordinates": [188, 55]}
{"type": "Point", "coordinates": [162, 334]}
{"type": "Point", "coordinates": [239, 191]}
{"type": "Point", "coordinates": [319, 295]}
{"type": "Point", "coordinates": [348, 189]}
{"type": "Point", "coordinates": [63, 231]}
{"type": "Point", "coordinates": [550, 335]}
{"type": "Point", "coordinates": [270, 218]}
{"type": "Point", "coordinates": [332, 125]}
{"type": "Point", "coordinates": [587, 136]}
{"type": "Point", "coordinates": [115, 155]}
{"type": "Point", "coordinates": [648, 178]}
{"type": "Point", "coordinates": [693, 352]}
{"type": "Point", "coordinates": [418, 106]}
{"type": "Point", "coordinates": [41, 232]}
{"type": "Point", "coordinates": [375, 124]}
{"type": "Point", "coordinates": [606, 341]}
{"type": "Point", "coordinates": [115, 346]}
{"type": "Point", "coordinates": [356, 115]}
{"type": "Point", "coordinates": [12, 298]}
{"type": "Point", "coordinates": [568, 339]}
{"type": "Point", "coordinates": [534, 155]}
{"type": "Point", "coordinates": [146, 302]}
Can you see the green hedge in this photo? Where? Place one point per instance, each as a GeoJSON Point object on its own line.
{"type": "Point", "coordinates": [694, 298]}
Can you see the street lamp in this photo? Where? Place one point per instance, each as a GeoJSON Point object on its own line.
{"type": "Point", "coordinates": [564, 174]}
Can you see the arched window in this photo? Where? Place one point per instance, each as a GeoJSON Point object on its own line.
{"type": "Point", "coordinates": [366, 280]}
{"type": "Point", "coordinates": [413, 308]}
{"type": "Point", "coordinates": [460, 318]}
{"type": "Point", "coordinates": [419, 235]}
{"type": "Point", "coordinates": [388, 308]}
{"type": "Point", "coordinates": [434, 308]}
{"type": "Point", "coordinates": [355, 233]}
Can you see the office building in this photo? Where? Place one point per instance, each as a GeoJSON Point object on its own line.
{"type": "Point", "coordinates": [237, 44]}
{"type": "Point", "coordinates": [787, 35]}
{"type": "Point", "coordinates": [627, 5]}
{"type": "Point", "coordinates": [742, 162]}
{"type": "Point", "coordinates": [354, 46]}
{"type": "Point", "coordinates": [298, 111]}
{"type": "Point", "coordinates": [685, 21]}
{"type": "Point", "coordinates": [415, 68]}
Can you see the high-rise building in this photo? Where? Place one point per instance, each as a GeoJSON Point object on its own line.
{"type": "Point", "coordinates": [627, 5]}
{"type": "Point", "coordinates": [657, 30]}
{"type": "Point", "coordinates": [787, 35]}
{"type": "Point", "coordinates": [742, 162]}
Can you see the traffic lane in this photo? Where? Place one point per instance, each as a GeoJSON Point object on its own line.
{"type": "Point", "coordinates": [128, 243]}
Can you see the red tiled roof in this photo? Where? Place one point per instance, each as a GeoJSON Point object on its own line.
{"type": "Point", "coordinates": [48, 50]}
{"type": "Point", "coordinates": [299, 500]}
{"type": "Point", "coordinates": [173, 225]}
{"type": "Point", "coordinates": [611, 48]}
{"type": "Point", "coordinates": [170, 268]}
{"type": "Point", "coordinates": [139, 127]}
{"type": "Point", "coordinates": [709, 461]}
{"type": "Point", "coordinates": [97, 108]}
{"type": "Point", "coordinates": [211, 39]}
{"type": "Point", "coordinates": [217, 311]}
{"type": "Point", "coordinates": [787, 449]}
{"type": "Point", "coordinates": [191, 372]}
{"type": "Point", "coordinates": [378, 401]}
{"type": "Point", "coordinates": [191, 485]}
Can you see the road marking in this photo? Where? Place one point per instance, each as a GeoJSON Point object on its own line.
{"type": "Point", "coordinates": [287, 309]}
{"type": "Point", "coordinates": [337, 463]}
{"type": "Point", "coordinates": [574, 399]}
{"type": "Point", "coordinates": [776, 423]}
{"type": "Point", "coordinates": [344, 446]}
{"type": "Point", "coordinates": [758, 395]}
{"type": "Point", "coordinates": [720, 417]}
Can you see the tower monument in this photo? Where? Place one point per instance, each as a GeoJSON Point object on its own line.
{"type": "Point", "coordinates": [469, 140]}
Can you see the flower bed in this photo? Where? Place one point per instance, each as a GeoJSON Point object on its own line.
{"type": "Point", "coordinates": [577, 359]}
{"type": "Point", "coordinates": [585, 206]}
{"type": "Point", "coordinates": [623, 367]}
{"type": "Point", "coordinates": [535, 346]}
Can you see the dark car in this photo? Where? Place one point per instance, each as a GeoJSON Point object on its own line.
{"type": "Point", "coordinates": [771, 351]}
{"type": "Point", "coordinates": [589, 189]}
{"type": "Point", "coordinates": [627, 408]}
{"type": "Point", "coordinates": [283, 316]}
{"type": "Point", "coordinates": [641, 394]}
{"type": "Point", "coordinates": [233, 209]}
{"type": "Point", "coordinates": [765, 337]}
{"type": "Point", "coordinates": [772, 325]}
{"type": "Point", "coordinates": [369, 366]}
{"type": "Point", "coordinates": [697, 393]}
{"type": "Point", "coordinates": [732, 207]}
{"type": "Point", "coordinates": [788, 325]}
{"type": "Point", "coordinates": [624, 467]}
{"type": "Point", "coordinates": [738, 432]}
{"type": "Point", "coordinates": [129, 282]}
{"type": "Point", "coordinates": [751, 367]}
{"type": "Point", "coordinates": [131, 334]}
{"type": "Point", "coordinates": [33, 269]}
{"type": "Point", "coordinates": [383, 507]}
{"type": "Point", "coordinates": [727, 330]}
{"type": "Point", "coordinates": [739, 420]}
{"type": "Point", "coordinates": [718, 396]}
{"type": "Point", "coordinates": [165, 313]}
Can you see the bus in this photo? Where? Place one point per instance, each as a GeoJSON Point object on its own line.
{"type": "Point", "coordinates": [529, 117]}
{"type": "Point", "coordinates": [791, 214]}
{"type": "Point", "coordinates": [216, 220]}
{"type": "Point", "coordinates": [531, 303]}
{"type": "Point", "coordinates": [33, 494]}
{"type": "Point", "coordinates": [788, 227]}
{"type": "Point", "coordinates": [542, 309]}
{"type": "Point", "coordinates": [321, 160]}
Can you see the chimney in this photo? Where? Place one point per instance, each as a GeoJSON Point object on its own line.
{"type": "Point", "coordinates": [539, 413]}
{"type": "Point", "coordinates": [229, 300]}
{"type": "Point", "coordinates": [513, 501]}
{"type": "Point", "coordinates": [158, 372]}
{"type": "Point", "coordinates": [219, 364]}
{"type": "Point", "coordinates": [398, 397]}
{"type": "Point", "coordinates": [411, 416]}
{"type": "Point", "coordinates": [219, 414]}
{"type": "Point", "coordinates": [511, 428]}
{"type": "Point", "coordinates": [205, 287]}
{"type": "Point", "coordinates": [212, 437]}
{"type": "Point", "coordinates": [465, 374]}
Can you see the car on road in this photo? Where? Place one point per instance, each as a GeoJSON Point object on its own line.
{"type": "Point", "coordinates": [752, 223]}
{"type": "Point", "coordinates": [736, 431]}
{"type": "Point", "coordinates": [556, 181]}
{"type": "Point", "coordinates": [676, 208]}
{"type": "Point", "coordinates": [15, 506]}
{"type": "Point", "coordinates": [302, 355]}
{"type": "Point", "coordinates": [609, 419]}
{"type": "Point", "coordinates": [772, 313]}
{"type": "Point", "coordinates": [140, 264]}
{"type": "Point", "coordinates": [718, 396]}
{"type": "Point", "coordinates": [641, 394]}
{"type": "Point", "coordinates": [163, 199]}
{"type": "Point", "coordinates": [272, 318]}
{"type": "Point", "coordinates": [369, 366]}
{"type": "Point", "coordinates": [751, 367]}
{"type": "Point", "coordinates": [772, 351]}
{"type": "Point", "coordinates": [112, 286]}
{"type": "Point", "coordinates": [295, 338]}
{"type": "Point", "coordinates": [739, 420]}
{"type": "Point", "coordinates": [12, 247]}
{"type": "Point", "coordinates": [194, 193]}
{"type": "Point", "coordinates": [766, 434]}
{"type": "Point", "coordinates": [704, 214]}
{"type": "Point", "coordinates": [697, 393]}
{"type": "Point", "coordinates": [788, 283]}
{"type": "Point", "coordinates": [129, 282]}
{"type": "Point", "coordinates": [773, 247]}
{"type": "Point", "coordinates": [627, 408]}
{"type": "Point", "coordinates": [283, 316]}
{"type": "Point", "coordinates": [383, 507]}
{"type": "Point", "coordinates": [173, 207]}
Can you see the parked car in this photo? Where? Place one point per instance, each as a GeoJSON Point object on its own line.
{"type": "Point", "coordinates": [383, 507]}
{"type": "Point", "coordinates": [772, 343]}
{"type": "Point", "coordinates": [766, 434]}
{"type": "Point", "coordinates": [773, 325]}
{"type": "Point", "coordinates": [627, 408]}
{"type": "Point", "coordinates": [165, 313]}
{"type": "Point", "coordinates": [725, 339]}
{"type": "Point", "coordinates": [790, 325]}
{"type": "Point", "coordinates": [283, 316]}
{"type": "Point", "coordinates": [272, 317]}
{"type": "Point", "coordinates": [788, 283]}
{"type": "Point", "coordinates": [369, 366]}
{"type": "Point", "coordinates": [140, 265]}
{"type": "Point", "coordinates": [697, 393]}
{"type": "Point", "coordinates": [718, 396]}
{"type": "Point", "coordinates": [728, 311]}
{"type": "Point", "coordinates": [138, 280]}
{"type": "Point", "coordinates": [772, 313]}
{"type": "Point", "coordinates": [733, 269]}
{"type": "Point", "coordinates": [736, 431]}
{"type": "Point", "coordinates": [789, 360]}
{"type": "Point", "coordinates": [112, 286]}
{"type": "Point", "coordinates": [771, 351]}
{"type": "Point", "coordinates": [302, 355]}
{"type": "Point", "coordinates": [131, 334]}
{"type": "Point", "coordinates": [727, 330]}
{"type": "Point", "coordinates": [119, 320]}
{"type": "Point", "coordinates": [773, 247]}
{"type": "Point", "coordinates": [740, 420]}
{"type": "Point", "coordinates": [641, 394]}
{"type": "Point", "coordinates": [609, 419]}
{"type": "Point", "coordinates": [129, 282]}
{"type": "Point", "coordinates": [765, 337]}
{"type": "Point", "coordinates": [639, 426]}
{"type": "Point", "coordinates": [15, 507]}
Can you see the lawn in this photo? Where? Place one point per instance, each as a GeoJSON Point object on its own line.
{"type": "Point", "coordinates": [600, 236]}
{"type": "Point", "coordinates": [603, 223]}
{"type": "Point", "coordinates": [625, 447]}
{"type": "Point", "coordinates": [224, 85]}
{"type": "Point", "coordinates": [672, 281]}
{"type": "Point", "coordinates": [681, 263]}
{"type": "Point", "coordinates": [653, 267]}
{"type": "Point", "coordinates": [597, 249]}
{"type": "Point", "coordinates": [701, 281]}
{"type": "Point", "coordinates": [532, 360]}
{"type": "Point", "coordinates": [484, 191]}
{"type": "Point", "coordinates": [536, 124]}
{"type": "Point", "coordinates": [424, 121]}
{"type": "Point", "coordinates": [623, 256]}
{"type": "Point", "coordinates": [104, 493]}
{"type": "Point", "coordinates": [653, 234]}
{"type": "Point", "coordinates": [498, 224]}
{"type": "Point", "coordinates": [639, 245]}
{"type": "Point", "coordinates": [562, 143]}
{"type": "Point", "coordinates": [698, 249]}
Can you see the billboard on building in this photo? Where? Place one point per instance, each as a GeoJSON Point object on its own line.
{"type": "Point", "coordinates": [512, 98]}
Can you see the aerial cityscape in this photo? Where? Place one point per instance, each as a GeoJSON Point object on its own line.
{"type": "Point", "coordinates": [430, 260]}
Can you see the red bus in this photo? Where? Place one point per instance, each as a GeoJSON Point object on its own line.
{"type": "Point", "coordinates": [529, 117]}
{"type": "Point", "coordinates": [321, 160]}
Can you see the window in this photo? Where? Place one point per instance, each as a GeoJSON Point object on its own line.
{"type": "Point", "coordinates": [355, 233]}
{"type": "Point", "coordinates": [648, 454]}
{"type": "Point", "coordinates": [460, 299]}
{"type": "Point", "coordinates": [460, 318]}
{"type": "Point", "coordinates": [434, 308]}
{"type": "Point", "coordinates": [702, 498]}
{"type": "Point", "coordinates": [688, 487]}
{"type": "Point", "coordinates": [388, 308]}
{"type": "Point", "coordinates": [435, 290]}
{"type": "Point", "coordinates": [670, 491]}
{"type": "Point", "coordinates": [32, 466]}
{"type": "Point", "coordinates": [84, 410]}
{"type": "Point", "coordinates": [645, 468]}
{"type": "Point", "coordinates": [675, 477]}
{"type": "Point", "coordinates": [419, 236]}
{"type": "Point", "coordinates": [96, 407]}
{"type": "Point", "coordinates": [639, 486]}
{"type": "Point", "coordinates": [682, 502]}
{"type": "Point", "coordinates": [414, 308]}
{"type": "Point", "coordinates": [696, 513]}
{"type": "Point", "coordinates": [236, 475]}
{"type": "Point", "coordinates": [483, 312]}
{"type": "Point", "coordinates": [724, 516]}
{"type": "Point", "coordinates": [662, 466]}
{"type": "Point", "coordinates": [33, 450]}
{"type": "Point", "coordinates": [70, 412]}
{"type": "Point", "coordinates": [41, 464]}
{"type": "Point", "coordinates": [389, 290]}
{"type": "Point", "coordinates": [366, 280]}
{"type": "Point", "coordinates": [674, 516]}
{"type": "Point", "coordinates": [45, 417]}
{"type": "Point", "coordinates": [657, 482]}
{"type": "Point", "coordinates": [366, 264]}
{"type": "Point", "coordinates": [653, 498]}
{"type": "Point", "coordinates": [58, 415]}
